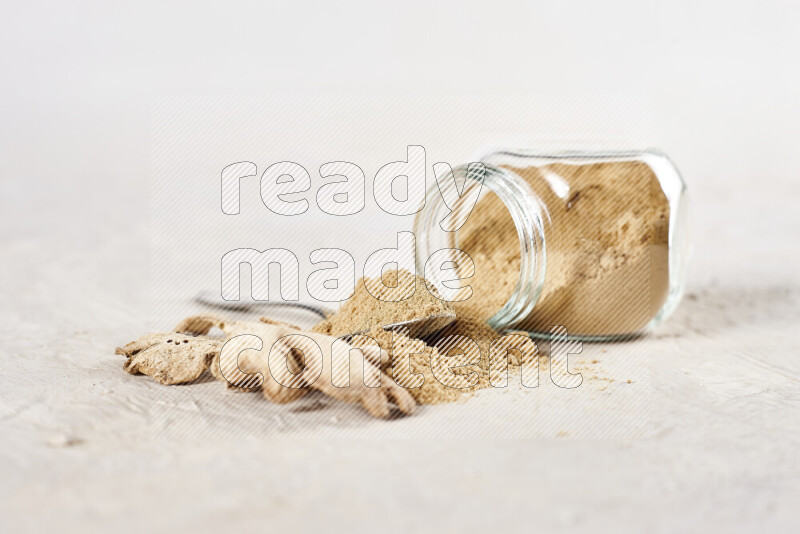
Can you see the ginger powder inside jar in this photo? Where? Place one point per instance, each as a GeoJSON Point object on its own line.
{"type": "Point", "coordinates": [593, 243]}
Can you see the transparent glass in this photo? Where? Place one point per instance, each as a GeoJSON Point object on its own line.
{"type": "Point", "coordinates": [595, 242]}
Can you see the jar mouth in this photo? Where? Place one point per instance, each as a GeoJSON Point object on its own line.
{"type": "Point", "coordinates": [529, 216]}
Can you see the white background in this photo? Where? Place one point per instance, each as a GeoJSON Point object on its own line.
{"type": "Point", "coordinates": [721, 87]}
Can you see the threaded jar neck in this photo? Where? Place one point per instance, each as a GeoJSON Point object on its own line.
{"type": "Point", "coordinates": [529, 216]}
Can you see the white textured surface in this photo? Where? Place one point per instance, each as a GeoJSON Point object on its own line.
{"type": "Point", "coordinates": [705, 438]}
{"type": "Point", "coordinates": [706, 433]}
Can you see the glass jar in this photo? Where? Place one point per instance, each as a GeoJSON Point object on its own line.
{"type": "Point", "coordinates": [593, 242]}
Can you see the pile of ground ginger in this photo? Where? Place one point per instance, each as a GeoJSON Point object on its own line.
{"type": "Point", "coordinates": [369, 310]}
{"type": "Point", "coordinates": [396, 297]}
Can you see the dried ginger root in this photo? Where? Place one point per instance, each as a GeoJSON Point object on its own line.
{"type": "Point", "coordinates": [296, 364]}
{"type": "Point", "coordinates": [339, 354]}
{"type": "Point", "coordinates": [250, 362]}
{"type": "Point", "coordinates": [169, 358]}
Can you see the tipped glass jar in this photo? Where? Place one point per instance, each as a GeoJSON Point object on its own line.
{"type": "Point", "coordinates": [593, 242]}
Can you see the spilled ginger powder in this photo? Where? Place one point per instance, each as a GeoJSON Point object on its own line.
{"type": "Point", "coordinates": [447, 375]}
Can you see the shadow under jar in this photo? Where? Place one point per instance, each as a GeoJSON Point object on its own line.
{"type": "Point", "coordinates": [592, 242]}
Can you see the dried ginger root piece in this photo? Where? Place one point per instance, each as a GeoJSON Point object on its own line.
{"type": "Point", "coordinates": [169, 358]}
{"type": "Point", "coordinates": [199, 325]}
{"type": "Point", "coordinates": [275, 322]}
{"type": "Point", "coordinates": [178, 358]}
{"type": "Point", "coordinates": [250, 362]}
{"type": "Point", "coordinates": [374, 400]}
{"type": "Point", "coordinates": [216, 372]}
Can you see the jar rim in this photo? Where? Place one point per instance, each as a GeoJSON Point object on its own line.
{"type": "Point", "coordinates": [529, 216]}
